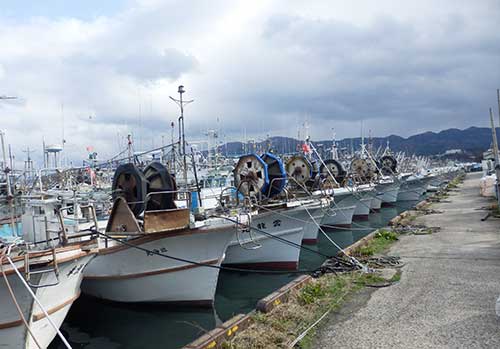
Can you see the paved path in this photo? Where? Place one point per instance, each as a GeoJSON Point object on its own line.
{"type": "Point", "coordinates": [447, 294]}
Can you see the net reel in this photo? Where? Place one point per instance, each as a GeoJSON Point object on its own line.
{"type": "Point", "coordinates": [276, 172]}
{"type": "Point", "coordinates": [334, 168]}
{"type": "Point", "coordinates": [251, 175]}
{"type": "Point", "coordinates": [300, 169]}
{"type": "Point", "coordinates": [388, 165]}
{"type": "Point", "coordinates": [160, 180]}
{"type": "Point", "coordinates": [130, 183]}
{"type": "Point", "coordinates": [363, 168]}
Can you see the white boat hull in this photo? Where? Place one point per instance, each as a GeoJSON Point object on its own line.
{"type": "Point", "coordinates": [389, 192]}
{"type": "Point", "coordinates": [56, 300]}
{"type": "Point", "coordinates": [256, 250]}
{"type": "Point", "coordinates": [362, 210]}
{"type": "Point", "coordinates": [338, 217]}
{"type": "Point", "coordinates": [411, 191]}
{"type": "Point", "coordinates": [126, 274]}
{"type": "Point", "coordinates": [311, 229]}
{"type": "Point", "coordinates": [376, 203]}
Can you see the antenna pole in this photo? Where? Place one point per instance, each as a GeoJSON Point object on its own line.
{"type": "Point", "coordinates": [129, 147]}
{"type": "Point", "coordinates": [182, 136]}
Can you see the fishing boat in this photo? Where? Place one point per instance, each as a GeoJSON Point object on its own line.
{"type": "Point", "coordinates": [272, 241]}
{"type": "Point", "coordinates": [316, 209]}
{"type": "Point", "coordinates": [324, 183]}
{"type": "Point", "coordinates": [42, 270]}
{"type": "Point", "coordinates": [387, 190]}
{"type": "Point", "coordinates": [411, 188]}
{"type": "Point", "coordinates": [341, 212]}
{"type": "Point", "coordinates": [276, 224]}
{"type": "Point", "coordinates": [365, 194]}
{"type": "Point", "coordinates": [152, 250]}
{"type": "Point", "coordinates": [52, 276]}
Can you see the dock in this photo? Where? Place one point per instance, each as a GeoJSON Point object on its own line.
{"type": "Point", "coordinates": [448, 290]}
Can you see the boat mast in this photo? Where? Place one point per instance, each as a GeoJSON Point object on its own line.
{"type": "Point", "coordinates": [335, 154]}
{"type": "Point", "coordinates": [182, 135]}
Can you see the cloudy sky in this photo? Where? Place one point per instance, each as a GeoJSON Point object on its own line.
{"type": "Point", "coordinates": [107, 68]}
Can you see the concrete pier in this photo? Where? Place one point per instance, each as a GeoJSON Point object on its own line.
{"type": "Point", "coordinates": [448, 290]}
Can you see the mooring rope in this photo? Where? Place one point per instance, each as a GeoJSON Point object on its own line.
{"type": "Point", "coordinates": [220, 267]}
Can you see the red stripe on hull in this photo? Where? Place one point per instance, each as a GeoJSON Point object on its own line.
{"type": "Point", "coordinates": [309, 241]}
{"type": "Point", "coordinates": [333, 226]}
{"type": "Point", "coordinates": [266, 265]}
{"type": "Point", "coordinates": [202, 303]}
{"type": "Point", "coordinates": [360, 217]}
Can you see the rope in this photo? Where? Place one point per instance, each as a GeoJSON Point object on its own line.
{"type": "Point", "coordinates": [351, 258]}
{"type": "Point", "coordinates": [232, 269]}
{"type": "Point", "coordinates": [323, 225]}
{"type": "Point", "coordinates": [12, 295]}
{"type": "Point", "coordinates": [288, 242]}
{"type": "Point", "coordinates": [32, 294]}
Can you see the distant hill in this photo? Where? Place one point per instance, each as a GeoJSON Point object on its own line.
{"type": "Point", "coordinates": [473, 140]}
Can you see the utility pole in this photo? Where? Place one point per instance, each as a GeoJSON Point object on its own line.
{"type": "Point", "coordinates": [494, 138]}
{"type": "Point", "coordinates": [182, 135]}
{"type": "Point", "coordinates": [498, 100]}
{"type": "Point", "coordinates": [495, 153]}
{"type": "Point", "coordinates": [497, 164]}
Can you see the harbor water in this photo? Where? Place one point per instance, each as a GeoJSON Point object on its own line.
{"type": "Point", "coordinates": [96, 324]}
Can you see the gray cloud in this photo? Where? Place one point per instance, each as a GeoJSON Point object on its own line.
{"type": "Point", "coordinates": [261, 68]}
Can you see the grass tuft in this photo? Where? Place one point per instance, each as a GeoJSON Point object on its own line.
{"type": "Point", "coordinates": [380, 243]}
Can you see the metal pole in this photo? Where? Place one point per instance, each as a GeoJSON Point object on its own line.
{"type": "Point", "coordinates": [6, 170]}
{"type": "Point", "coordinates": [184, 160]}
{"type": "Point", "coordinates": [129, 147]}
{"type": "Point", "coordinates": [498, 100]}
{"type": "Point", "coordinates": [495, 153]}
{"type": "Point", "coordinates": [494, 137]}
{"type": "Point", "coordinates": [196, 177]}
{"type": "Point", "coordinates": [173, 149]}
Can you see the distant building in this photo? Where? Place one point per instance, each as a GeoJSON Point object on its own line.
{"type": "Point", "coordinates": [453, 152]}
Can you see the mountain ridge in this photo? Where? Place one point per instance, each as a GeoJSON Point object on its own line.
{"type": "Point", "coordinates": [472, 140]}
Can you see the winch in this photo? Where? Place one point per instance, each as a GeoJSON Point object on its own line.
{"type": "Point", "coordinates": [300, 169]}
{"type": "Point", "coordinates": [260, 175]}
{"type": "Point", "coordinates": [332, 167]}
{"type": "Point", "coordinates": [388, 165]}
{"type": "Point", "coordinates": [363, 168]}
{"type": "Point", "coordinates": [134, 185]}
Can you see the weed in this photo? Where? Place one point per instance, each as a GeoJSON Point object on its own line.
{"type": "Point", "coordinates": [378, 244]}
{"type": "Point", "coordinates": [396, 277]}
{"type": "Point", "coordinates": [387, 235]}
{"type": "Point", "coordinates": [311, 292]}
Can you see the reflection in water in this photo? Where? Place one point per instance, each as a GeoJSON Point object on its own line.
{"type": "Point", "coordinates": [96, 324]}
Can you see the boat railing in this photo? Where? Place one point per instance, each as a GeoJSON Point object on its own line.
{"type": "Point", "coordinates": [244, 226]}
{"type": "Point", "coordinates": [187, 194]}
{"type": "Point", "coordinates": [236, 194]}
{"type": "Point", "coordinates": [301, 185]}
{"type": "Point", "coordinates": [271, 187]}
{"type": "Point", "coordinates": [28, 273]}
{"type": "Point", "coordinates": [5, 254]}
{"type": "Point", "coordinates": [62, 233]}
